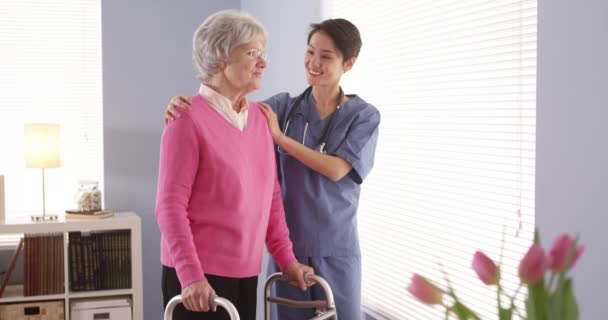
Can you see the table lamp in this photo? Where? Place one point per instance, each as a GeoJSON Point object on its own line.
{"type": "Point", "coordinates": [42, 151]}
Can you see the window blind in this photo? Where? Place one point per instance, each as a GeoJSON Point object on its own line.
{"type": "Point", "coordinates": [455, 82]}
{"type": "Point", "coordinates": [50, 57]}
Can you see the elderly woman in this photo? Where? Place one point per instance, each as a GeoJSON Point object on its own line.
{"type": "Point", "coordinates": [218, 197]}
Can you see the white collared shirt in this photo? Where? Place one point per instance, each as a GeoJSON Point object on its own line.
{"type": "Point", "coordinates": [223, 106]}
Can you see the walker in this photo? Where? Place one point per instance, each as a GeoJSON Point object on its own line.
{"type": "Point", "coordinates": [324, 309]}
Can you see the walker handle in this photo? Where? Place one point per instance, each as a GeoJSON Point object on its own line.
{"type": "Point", "coordinates": [328, 304]}
{"type": "Point", "coordinates": [214, 301]}
{"type": "Point", "coordinates": [309, 278]}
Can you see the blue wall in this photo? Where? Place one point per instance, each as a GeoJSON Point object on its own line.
{"type": "Point", "coordinates": [572, 138]}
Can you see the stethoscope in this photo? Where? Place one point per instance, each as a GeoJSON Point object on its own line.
{"type": "Point", "coordinates": [293, 113]}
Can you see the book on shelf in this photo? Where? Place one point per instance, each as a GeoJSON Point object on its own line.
{"type": "Point", "coordinates": [99, 260]}
{"type": "Point", "coordinates": [102, 214]}
{"type": "Point", "coordinates": [11, 266]}
{"type": "Point", "coordinates": [43, 264]}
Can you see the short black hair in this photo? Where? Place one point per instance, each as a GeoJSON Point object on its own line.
{"type": "Point", "coordinates": [345, 35]}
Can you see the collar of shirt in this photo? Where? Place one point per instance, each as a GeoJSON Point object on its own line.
{"type": "Point", "coordinates": [224, 107]}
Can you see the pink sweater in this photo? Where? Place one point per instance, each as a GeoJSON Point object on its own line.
{"type": "Point", "coordinates": [218, 197]}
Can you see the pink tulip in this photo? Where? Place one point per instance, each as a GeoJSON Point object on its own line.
{"type": "Point", "coordinates": [424, 290]}
{"type": "Point", "coordinates": [560, 251]}
{"type": "Point", "coordinates": [485, 268]}
{"type": "Point", "coordinates": [533, 266]}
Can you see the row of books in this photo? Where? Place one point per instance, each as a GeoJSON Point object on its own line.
{"type": "Point", "coordinates": [43, 264]}
{"type": "Point", "coordinates": [100, 260]}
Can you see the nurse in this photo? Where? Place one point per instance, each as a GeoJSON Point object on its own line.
{"type": "Point", "coordinates": [326, 141]}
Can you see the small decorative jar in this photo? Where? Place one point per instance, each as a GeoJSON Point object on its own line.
{"type": "Point", "coordinates": [88, 196]}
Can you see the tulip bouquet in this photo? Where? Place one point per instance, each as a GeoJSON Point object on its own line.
{"type": "Point", "coordinates": [550, 293]}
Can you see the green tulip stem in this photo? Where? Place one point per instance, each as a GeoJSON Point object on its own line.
{"type": "Point", "coordinates": [499, 287]}
{"type": "Point", "coordinates": [498, 294]}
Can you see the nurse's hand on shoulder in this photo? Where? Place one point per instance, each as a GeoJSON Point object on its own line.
{"type": "Point", "coordinates": [273, 123]}
{"type": "Point", "coordinates": [195, 296]}
{"type": "Point", "coordinates": [296, 271]}
{"type": "Point", "coordinates": [172, 111]}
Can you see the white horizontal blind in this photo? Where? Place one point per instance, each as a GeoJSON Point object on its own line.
{"type": "Point", "coordinates": [50, 62]}
{"type": "Point", "coordinates": [455, 82]}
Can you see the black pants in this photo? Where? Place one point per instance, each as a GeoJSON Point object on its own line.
{"type": "Point", "coordinates": [241, 292]}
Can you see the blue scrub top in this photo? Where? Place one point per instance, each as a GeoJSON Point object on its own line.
{"type": "Point", "coordinates": [322, 214]}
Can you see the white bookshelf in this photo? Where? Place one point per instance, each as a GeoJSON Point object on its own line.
{"type": "Point", "coordinates": [120, 221]}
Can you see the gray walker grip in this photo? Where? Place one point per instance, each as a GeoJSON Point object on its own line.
{"type": "Point", "coordinates": [213, 301]}
{"type": "Point", "coordinates": [325, 309]}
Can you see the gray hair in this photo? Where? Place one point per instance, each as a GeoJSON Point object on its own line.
{"type": "Point", "coordinates": [218, 35]}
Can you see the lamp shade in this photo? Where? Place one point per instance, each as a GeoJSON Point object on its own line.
{"type": "Point", "coordinates": [41, 145]}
